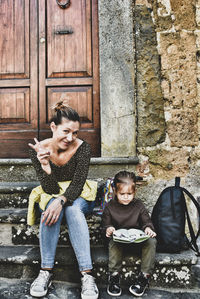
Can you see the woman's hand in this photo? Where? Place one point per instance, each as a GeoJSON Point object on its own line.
{"type": "Point", "coordinates": [150, 232]}
{"type": "Point", "coordinates": [43, 154]}
{"type": "Point", "coordinates": [109, 231]}
{"type": "Point", "coordinates": [52, 213]}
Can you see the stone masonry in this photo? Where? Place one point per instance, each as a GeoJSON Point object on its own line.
{"type": "Point", "coordinates": [167, 41]}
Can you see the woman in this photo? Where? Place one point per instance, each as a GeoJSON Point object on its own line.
{"type": "Point", "coordinates": [63, 158]}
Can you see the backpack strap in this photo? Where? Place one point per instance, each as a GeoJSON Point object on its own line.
{"type": "Point", "coordinates": [193, 243]}
{"type": "Point", "coordinates": [177, 181]}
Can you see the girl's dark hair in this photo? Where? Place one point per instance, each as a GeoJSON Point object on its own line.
{"type": "Point", "coordinates": [124, 177]}
{"type": "Point", "coordinates": [62, 109]}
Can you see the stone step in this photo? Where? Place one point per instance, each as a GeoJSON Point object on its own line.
{"type": "Point", "coordinates": [171, 270]}
{"type": "Point", "coordinates": [20, 289]}
{"type": "Point", "coordinates": [14, 230]}
{"type": "Point", "coordinates": [15, 194]}
{"type": "Point", "coordinates": [15, 170]}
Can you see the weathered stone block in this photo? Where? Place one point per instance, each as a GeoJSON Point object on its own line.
{"type": "Point", "coordinates": [117, 74]}
{"type": "Point", "coordinates": [150, 104]}
{"type": "Point", "coordinates": [174, 13]}
{"type": "Point", "coordinates": [180, 88]}
{"type": "Point", "coordinates": [184, 12]}
{"type": "Point", "coordinates": [165, 164]}
{"type": "Point", "coordinates": [162, 14]}
{"type": "Point", "coordinates": [178, 51]}
{"type": "Point", "coordinates": [182, 128]}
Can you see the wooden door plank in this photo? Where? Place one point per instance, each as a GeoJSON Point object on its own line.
{"type": "Point", "coordinates": [14, 82]}
{"type": "Point", "coordinates": [42, 61]}
{"type": "Point", "coordinates": [34, 64]}
{"type": "Point", "coordinates": [96, 83]}
{"type": "Point", "coordinates": [69, 55]}
{"type": "Point", "coordinates": [69, 81]}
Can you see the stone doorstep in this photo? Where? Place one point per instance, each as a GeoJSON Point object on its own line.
{"type": "Point", "coordinates": [20, 289]}
{"type": "Point", "coordinates": [13, 187]}
{"type": "Point", "coordinates": [171, 270]}
{"type": "Point", "coordinates": [15, 194]}
{"type": "Point", "coordinates": [14, 229]}
{"type": "Point", "coordinates": [13, 215]}
{"type": "Point", "coordinates": [19, 215]}
{"type": "Point", "coordinates": [14, 170]}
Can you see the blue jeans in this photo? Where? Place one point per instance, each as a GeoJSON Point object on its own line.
{"type": "Point", "coordinates": [78, 234]}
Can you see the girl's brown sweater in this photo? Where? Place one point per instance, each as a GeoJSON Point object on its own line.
{"type": "Point", "coordinates": [133, 215]}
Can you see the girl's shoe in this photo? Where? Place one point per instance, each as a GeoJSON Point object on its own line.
{"type": "Point", "coordinates": [114, 288]}
{"type": "Point", "coordinates": [139, 286]}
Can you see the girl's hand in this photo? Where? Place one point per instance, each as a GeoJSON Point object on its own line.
{"type": "Point", "coordinates": [43, 154]}
{"type": "Point", "coordinates": [109, 231]}
{"type": "Point", "coordinates": [150, 232]}
{"type": "Point", "coordinates": [52, 213]}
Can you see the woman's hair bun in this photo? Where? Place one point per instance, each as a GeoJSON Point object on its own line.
{"type": "Point", "coordinates": [61, 109]}
{"type": "Point", "coordinates": [60, 106]}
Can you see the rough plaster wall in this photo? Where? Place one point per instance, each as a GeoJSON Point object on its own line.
{"type": "Point", "coordinates": [174, 27]}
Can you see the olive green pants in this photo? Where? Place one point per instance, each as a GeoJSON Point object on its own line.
{"type": "Point", "coordinates": [146, 250]}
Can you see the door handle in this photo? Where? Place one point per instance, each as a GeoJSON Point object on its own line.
{"type": "Point", "coordinates": [63, 32]}
{"type": "Point", "coordinates": [64, 5]}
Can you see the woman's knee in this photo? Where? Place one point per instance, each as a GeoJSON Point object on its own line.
{"type": "Point", "coordinates": [73, 214]}
{"type": "Point", "coordinates": [72, 210]}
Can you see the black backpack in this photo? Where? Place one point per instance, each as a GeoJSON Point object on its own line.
{"type": "Point", "coordinates": [169, 217]}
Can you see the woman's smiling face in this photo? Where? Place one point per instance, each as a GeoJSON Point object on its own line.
{"type": "Point", "coordinates": [65, 133]}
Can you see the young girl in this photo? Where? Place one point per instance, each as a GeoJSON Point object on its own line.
{"type": "Point", "coordinates": [125, 211]}
{"type": "Point", "coordinates": [61, 163]}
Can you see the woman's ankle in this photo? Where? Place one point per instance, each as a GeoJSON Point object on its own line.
{"type": "Point", "coordinates": [47, 269]}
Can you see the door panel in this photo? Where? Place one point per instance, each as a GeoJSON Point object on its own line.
{"type": "Point", "coordinates": [78, 97]}
{"type": "Point", "coordinates": [14, 41]}
{"type": "Point", "coordinates": [14, 106]}
{"type": "Point", "coordinates": [69, 39]}
{"type": "Point", "coordinates": [18, 77]}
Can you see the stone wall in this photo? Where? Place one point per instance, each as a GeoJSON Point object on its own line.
{"type": "Point", "coordinates": [150, 89]}
{"type": "Point", "coordinates": [167, 35]}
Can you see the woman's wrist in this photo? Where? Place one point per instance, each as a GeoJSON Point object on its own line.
{"type": "Point", "coordinates": [62, 200]}
{"type": "Point", "coordinates": [46, 168]}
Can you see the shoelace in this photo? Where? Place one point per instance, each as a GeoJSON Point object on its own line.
{"type": "Point", "coordinates": [41, 279]}
{"type": "Point", "coordinates": [114, 279]}
{"type": "Point", "coordinates": [88, 283]}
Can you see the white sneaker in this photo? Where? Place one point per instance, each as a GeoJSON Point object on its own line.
{"type": "Point", "coordinates": [89, 288]}
{"type": "Point", "coordinates": [39, 287]}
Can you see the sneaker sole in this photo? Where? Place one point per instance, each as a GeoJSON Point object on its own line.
{"type": "Point", "coordinates": [114, 295]}
{"type": "Point", "coordinates": [37, 294]}
{"type": "Point", "coordinates": [137, 295]}
{"type": "Point", "coordinates": [90, 297]}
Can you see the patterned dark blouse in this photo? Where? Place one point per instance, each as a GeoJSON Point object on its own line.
{"type": "Point", "coordinates": [75, 170]}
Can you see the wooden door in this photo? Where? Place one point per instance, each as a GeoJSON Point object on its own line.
{"type": "Point", "coordinates": [59, 61]}
{"type": "Point", "coordinates": [18, 76]}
